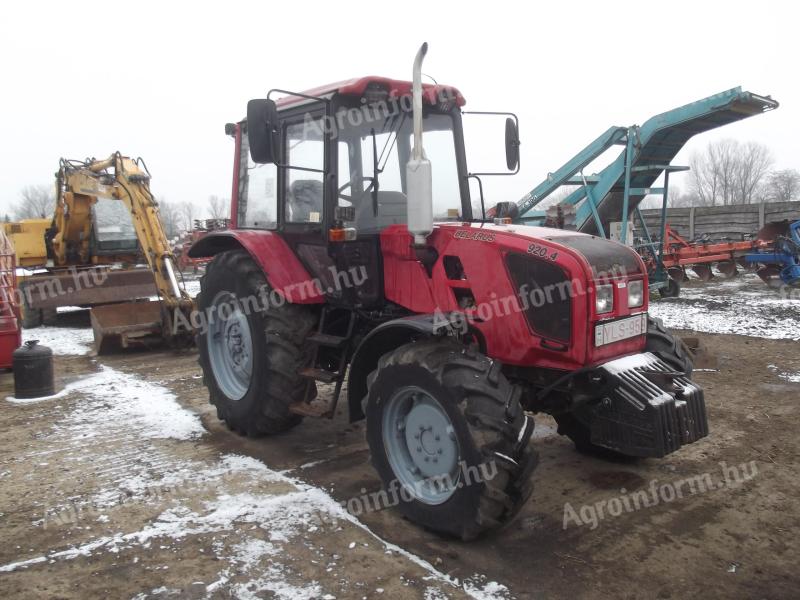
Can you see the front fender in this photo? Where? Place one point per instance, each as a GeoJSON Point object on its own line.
{"type": "Point", "coordinates": [384, 338]}
{"type": "Point", "coordinates": [283, 270]}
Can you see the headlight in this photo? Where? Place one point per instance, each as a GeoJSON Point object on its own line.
{"type": "Point", "coordinates": [604, 299]}
{"type": "Point", "coordinates": [635, 293]}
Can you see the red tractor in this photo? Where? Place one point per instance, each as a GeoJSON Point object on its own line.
{"type": "Point", "coordinates": [450, 335]}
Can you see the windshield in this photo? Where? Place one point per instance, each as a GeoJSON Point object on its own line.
{"type": "Point", "coordinates": [372, 167]}
{"type": "Point", "coordinates": [113, 221]}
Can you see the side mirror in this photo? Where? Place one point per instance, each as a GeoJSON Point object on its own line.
{"type": "Point", "coordinates": [512, 144]}
{"type": "Point", "coordinates": [263, 130]}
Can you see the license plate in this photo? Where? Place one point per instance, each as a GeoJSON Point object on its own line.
{"type": "Point", "coordinates": [608, 333]}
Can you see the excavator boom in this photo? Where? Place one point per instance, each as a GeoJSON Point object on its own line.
{"type": "Point", "coordinates": [119, 178]}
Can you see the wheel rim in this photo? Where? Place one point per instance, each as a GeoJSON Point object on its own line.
{"type": "Point", "coordinates": [421, 445]}
{"type": "Point", "coordinates": [230, 346]}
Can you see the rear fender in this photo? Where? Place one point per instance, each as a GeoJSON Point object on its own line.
{"type": "Point", "coordinates": [384, 338]}
{"type": "Point", "coordinates": [283, 270]}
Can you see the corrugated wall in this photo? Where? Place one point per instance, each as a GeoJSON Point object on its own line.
{"type": "Point", "coordinates": [722, 221]}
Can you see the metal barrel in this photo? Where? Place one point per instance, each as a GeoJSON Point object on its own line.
{"type": "Point", "coordinates": [33, 371]}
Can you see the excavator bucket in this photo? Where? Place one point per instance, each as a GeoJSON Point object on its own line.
{"type": "Point", "coordinates": [127, 325]}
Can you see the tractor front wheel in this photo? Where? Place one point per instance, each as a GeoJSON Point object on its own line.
{"type": "Point", "coordinates": [669, 348]}
{"type": "Point", "coordinates": [449, 438]}
{"type": "Point", "coordinates": [251, 347]}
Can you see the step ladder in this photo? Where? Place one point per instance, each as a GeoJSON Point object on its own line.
{"type": "Point", "coordinates": [309, 407]}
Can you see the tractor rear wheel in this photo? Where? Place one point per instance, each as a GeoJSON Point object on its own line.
{"type": "Point", "coordinates": [251, 347]}
{"type": "Point", "coordinates": [449, 438]}
{"type": "Point", "coordinates": [669, 348]}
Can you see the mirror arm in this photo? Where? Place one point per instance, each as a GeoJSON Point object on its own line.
{"type": "Point", "coordinates": [500, 114]}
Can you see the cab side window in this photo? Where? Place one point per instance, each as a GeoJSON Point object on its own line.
{"type": "Point", "coordinates": [305, 148]}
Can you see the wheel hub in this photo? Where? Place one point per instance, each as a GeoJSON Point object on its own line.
{"type": "Point", "coordinates": [421, 445]}
{"type": "Point", "coordinates": [230, 347]}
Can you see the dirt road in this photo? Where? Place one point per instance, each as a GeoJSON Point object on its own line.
{"type": "Point", "coordinates": [128, 486]}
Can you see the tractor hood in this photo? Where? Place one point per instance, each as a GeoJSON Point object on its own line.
{"type": "Point", "coordinates": [606, 258]}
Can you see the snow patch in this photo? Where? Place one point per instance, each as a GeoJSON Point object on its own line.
{"type": "Point", "coordinates": [63, 341]}
{"type": "Point", "coordinates": [121, 398]}
{"type": "Point", "coordinates": [743, 306]}
{"type": "Point", "coordinates": [790, 377]}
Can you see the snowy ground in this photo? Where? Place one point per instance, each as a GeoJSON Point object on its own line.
{"type": "Point", "coordinates": [63, 341]}
{"type": "Point", "coordinates": [126, 485]}
{"type": "Point", "coordinates": [262, 528]}
{"type": "Point", "coordinates": [743, 306]}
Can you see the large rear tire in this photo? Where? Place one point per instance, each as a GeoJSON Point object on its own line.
{"type": "Point", "coordinates": [449, 438]}
{"type": "Point", "coordinates": [252, 348]}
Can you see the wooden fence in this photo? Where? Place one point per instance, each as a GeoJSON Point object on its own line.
{"type": "Point", "coordinates": [721, 221]}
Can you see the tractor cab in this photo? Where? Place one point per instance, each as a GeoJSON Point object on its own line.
{"type": "Point", "coordinates": [330, 165]}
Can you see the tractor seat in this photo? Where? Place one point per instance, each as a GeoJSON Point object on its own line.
{"type": "Point", "coordinates": [392, 210]}
{"type": "Point", "coordinates": [305, 197]}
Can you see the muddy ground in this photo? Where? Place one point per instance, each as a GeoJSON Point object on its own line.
{"type": "Point", "coordinates": [137, 511]}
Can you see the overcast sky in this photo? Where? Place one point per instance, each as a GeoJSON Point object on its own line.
{"type": "Point", "coordinates": [160, 79]}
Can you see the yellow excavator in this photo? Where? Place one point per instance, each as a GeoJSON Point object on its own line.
{"type": "Point", "coordinates": [106, 221]}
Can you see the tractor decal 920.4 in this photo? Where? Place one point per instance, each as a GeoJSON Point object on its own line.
{"type": "Point", "coordinates": [542, 251]}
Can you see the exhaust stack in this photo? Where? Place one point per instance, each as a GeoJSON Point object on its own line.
{"type": "Point", "coordinates": [418, 169]}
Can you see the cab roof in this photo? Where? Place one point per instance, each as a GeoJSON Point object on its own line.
{"type": "Point", "coordinates": [431, 93]}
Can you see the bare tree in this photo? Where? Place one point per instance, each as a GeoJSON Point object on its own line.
{"type": "Point", "coordinates": [187, 214]}
{"type": "Point", "coordinates": [712, 173]}
{"type": "Point", "coordinates": [753, 163]}
{"type": "Point", "coordinates": [680, 198]}
{"type": "Point", "coordinates": [36, 202]}
{"type": "Point", "coordinates": [170, 218]}
{"type": "Point", "coordinates": [729, 172]}
{"type": "Point", "coordinates": [218, 207]}
{"type": "Point", "coordinates": [783, 185]}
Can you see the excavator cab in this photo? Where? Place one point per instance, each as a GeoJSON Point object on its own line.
{"type": "Point", "coordinates": [113, 235]}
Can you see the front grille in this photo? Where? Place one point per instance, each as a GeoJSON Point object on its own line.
{"type": "Point", "coordinates": [544, 294]}
{"type": "Point", "coordinates": [651, 410]}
